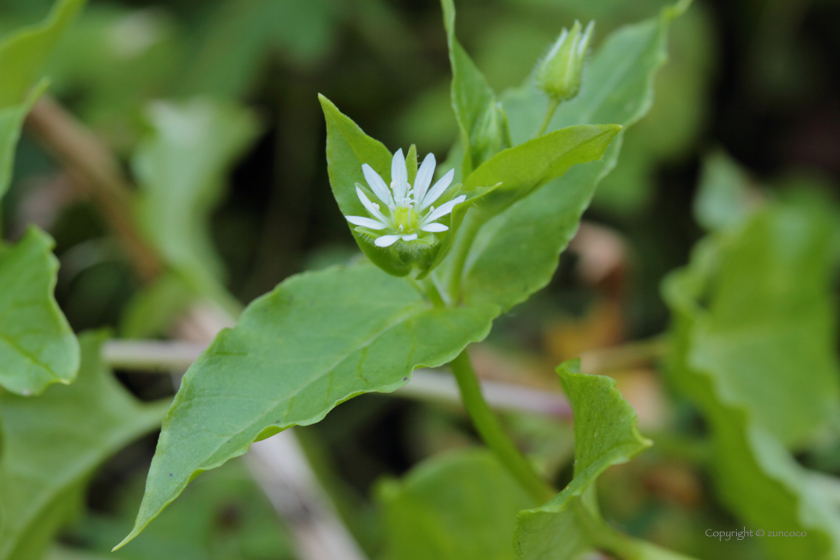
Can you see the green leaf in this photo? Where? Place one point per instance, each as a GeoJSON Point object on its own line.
{"type": "Point", "coordinates": [317, 340]}
{"type": "Point", "coordinates": [781, 330]}
{"type": "Point", "coordinates": [23, 54]}
{"type": "Point", "coordinates": [516, 253]}
{"type": "Point", "coordinates": [37, 346]}
{"type": "Point", "coordinates": [51, 446]}
{"type": "Point", "coordinates": [523, 169]}
{"type": "Point", "coordinates": [22, 57]}
{"type": "Point", "coordinates": [723, 199]}
{"type": "Point", "coordinates": [461, 506]}
{"type": "Point", "coordinates": [181, 170]}
{"type": "Point", "coordinates": [670, 132]}
{"type": "Point", "coordinates": [480, 117]}
{"type": "Point", "coordinates": [605, 434]}
{"type": "Point", "coordinates": [763, 315]}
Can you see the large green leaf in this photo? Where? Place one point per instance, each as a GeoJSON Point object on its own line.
{"type": "Point", "coordinates": [181, 169]}
{"type": "Point", "coordinates": [317, 340]}
{"type": "Point", "coordinates": [763, 320]}
{"type": "Point", "coordinates": [22, 57]}
{"type": "Point", "coordinates": [52, 444]}
{"type": "Point", "coordinates": [516, 253]}
{"type": "Point", "coordinates": [480, 117]}
{"type": "Point", "coordinates": [606, 433]}
{"type": "Point", "coordinates": [37, 346]}
{"type": "Point", "coordinates": [785, 359]}
{"type": "Point", "coordinates": [460, 506]}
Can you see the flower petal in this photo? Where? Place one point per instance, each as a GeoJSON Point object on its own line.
{"type": "Point", "coordinates": [445, 208]}
{"type": "Point", "coordinates": [411, 237]}
{"type": "Point", "coordinates": [439, 188]}
{"type": "Point", "coordinates": [377, 184]}
{"type": "Point", "coordinates": [369, 206]}
{"type": "Point", "coordinates": [435, 227]}
{"type": "Point", "coordinates": [399, 174]}
{"type": "Point", "coordinates": [365, 222]}
{"type": "Point", "coordinates": [386, 240]}
{"type": "Point", "coordinates": [424, 177]}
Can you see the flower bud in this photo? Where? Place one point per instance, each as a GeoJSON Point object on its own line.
{"type": "Point", "coordinates": [559, 73]}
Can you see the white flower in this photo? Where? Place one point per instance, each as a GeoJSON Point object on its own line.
{"type": "Point", "coordinates": [406, 212]}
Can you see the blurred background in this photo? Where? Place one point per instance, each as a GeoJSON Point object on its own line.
{"type": "Point", "coordinates": [758, 80]}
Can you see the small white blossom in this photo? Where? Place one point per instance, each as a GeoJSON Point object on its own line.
{"type": "Point", "coordinates": [405, 212]}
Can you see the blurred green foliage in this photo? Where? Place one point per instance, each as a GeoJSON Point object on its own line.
{"type": "Point", "coordinates": [752, 383]}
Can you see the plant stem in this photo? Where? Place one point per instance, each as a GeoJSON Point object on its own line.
{"type": "Point", "coordinates": [491, 431]}
{"type": "Point", "coordinates": [465, 240]}
{"type": "Point", "coordinates": [549, 114]}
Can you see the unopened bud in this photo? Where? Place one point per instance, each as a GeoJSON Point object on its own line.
{"type": "Point", "coordinates": [559, 74]}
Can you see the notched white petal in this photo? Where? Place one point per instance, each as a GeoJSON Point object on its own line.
{"type": "Point", "coordinates": [377, 184]}
{"type": "Point", "coordinates": [365, 222]}
{"type": "Point", "coordinates": [446, 208]}
{"type": "Point", "coordinates": [369, 206]}
{"type": "Point", "coordinates": [411, 237]}
{"type": "Point", "coordinates": [434, 228]}
{"type": "Point", "coordinates": [439, 188]}
{"type": "Point", "coordinates": [399, 173]}
{"type": "Point", "coordinates": [386, 240]}
{"type": "Point", "coordinates": [424, 177]}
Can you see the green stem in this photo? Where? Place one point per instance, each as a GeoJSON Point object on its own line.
{"type": "Point", "coordinates": [466, 237]}
{"type": "Point", "coordinates": [549, 114]}
{"type": "Point", "coordinates": [491, 431]}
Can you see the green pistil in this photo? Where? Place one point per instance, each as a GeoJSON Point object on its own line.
{"type": "Point", "coordinates": [405, 219]}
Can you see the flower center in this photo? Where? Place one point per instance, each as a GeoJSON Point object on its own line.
{"type": "Point", "coordinates": [405, 218]}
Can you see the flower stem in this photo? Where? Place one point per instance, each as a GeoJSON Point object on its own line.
{"type": "Point", "coordinates": [553, 103]}
{"type": "Point", "coordinates": [491, 431]}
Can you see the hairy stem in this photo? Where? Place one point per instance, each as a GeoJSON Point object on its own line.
{"type": "Point", "coordinates": [549, 114]}
{"type": "Point", "coordinates": [491, 431]}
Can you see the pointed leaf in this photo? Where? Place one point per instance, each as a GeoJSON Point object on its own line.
{"type": "Point", "coordinates": [317, 340]}
{"type": "Point", "coordinates": [523, 169]}
{"type": "Point", "coordinates": [37, 346]}
{"type": "Point", "coordinates": [52, 444]}
{"type": "Point", "coordinates": [480, 117]}
{"type": "Point", "coordinates": [605, 434]}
